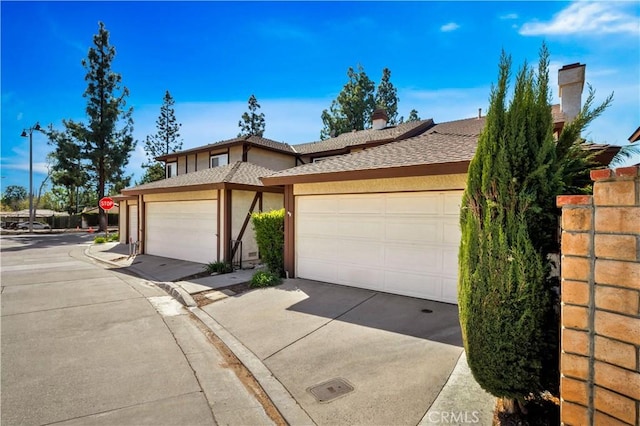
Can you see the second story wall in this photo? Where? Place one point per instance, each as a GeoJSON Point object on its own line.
{"type": "Point", "coordinates": [270, 159]}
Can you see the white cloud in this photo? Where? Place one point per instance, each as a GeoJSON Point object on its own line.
{"type": "Point", "coordinates": [509, 16]}
{"type": "Point", "coordinates": [583, 17]}
{"type": "Point", "coordinates": [451, 26]}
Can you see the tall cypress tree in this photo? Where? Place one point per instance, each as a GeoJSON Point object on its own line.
{"type": "Point", "coordinates": [506, 219]}
{"type": "Point", "coordinates": [164, 141]}
{"type": "Point", "coordinates": [106, 141]}
{"type": "Point", "coordinates": [252, 123]}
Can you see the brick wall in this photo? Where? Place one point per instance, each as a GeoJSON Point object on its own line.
{"type": "Point", "coordinates": [600, 340]}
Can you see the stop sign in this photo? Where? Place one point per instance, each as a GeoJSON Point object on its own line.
{"type": "Point", "coordinates": [106, 203]}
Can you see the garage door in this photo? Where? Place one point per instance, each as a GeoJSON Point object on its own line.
{"type": "Point", "coordinates": [182, 230]}
{"type": "Point", "coordinates": [133, 223]}
{"type": "Point", "coordinates": [402, 243]}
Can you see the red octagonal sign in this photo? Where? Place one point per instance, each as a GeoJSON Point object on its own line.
{"type": "Point", "coordinates": [106, 203]}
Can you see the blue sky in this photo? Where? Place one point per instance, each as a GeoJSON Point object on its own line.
{"type": "Point", "coordinates": [294, 56]}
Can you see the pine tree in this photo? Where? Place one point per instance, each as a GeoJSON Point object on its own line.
{"type": "Point", "coordinates": [252, 123]}
{"type": "Point", "coordinates": [164, 141]}
{"type": "Point", "coordinates": [106, 141]}
{"type": "Point", "coordinates": [413, 116]}
{"type": "Point", "coordinates": [508, 220]}
{"type": "Point", "coordinates": [387, 97]}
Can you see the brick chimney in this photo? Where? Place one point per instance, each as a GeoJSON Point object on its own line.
{"type": "Point", "coordinates": [379, 119]}
{"type": "Point", "coordinates": [570, 85]}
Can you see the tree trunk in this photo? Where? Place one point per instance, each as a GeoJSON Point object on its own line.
{"type": "Point", "coordinates": [510, 405]}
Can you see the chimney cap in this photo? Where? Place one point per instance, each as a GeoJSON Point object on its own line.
{"type": "Point", "coordinates": [380, 113]}
{"type": "Point", "coordinates": [569, 66]}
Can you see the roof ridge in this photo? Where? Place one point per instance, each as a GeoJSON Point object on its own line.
{"type": "Point", "coordinates": [232, 172]}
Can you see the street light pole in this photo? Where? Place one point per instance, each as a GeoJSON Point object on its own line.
{"type": "Point", "coordinates": [24, 134]}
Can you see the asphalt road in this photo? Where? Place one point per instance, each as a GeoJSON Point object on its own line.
{"type": "Point", "coordinates": [82, 344]}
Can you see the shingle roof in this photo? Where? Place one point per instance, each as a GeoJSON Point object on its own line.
{"type": "Point", "coordinates": [253, 140]}
{"type": "Point", "coordinates": [449, 142]}
{"type": "Point", "coordinates": [238, 173]}
{"type": "Point", "coordinates": [361, 137]}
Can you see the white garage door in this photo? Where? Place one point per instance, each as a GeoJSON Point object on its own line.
{"type": "Point", "coordinates": [402, 243]}
{"type": "Point", "coordinates": [133, 223]}
{"type": "Point", "coordinates": [182, 230]}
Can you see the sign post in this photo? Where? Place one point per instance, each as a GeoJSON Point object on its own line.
{"type": "Point", "coordinates": [106, 204]}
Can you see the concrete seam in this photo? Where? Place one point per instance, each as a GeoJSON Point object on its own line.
{"type": "Point", "coordinates": [443, 387]}
{"type": "Point", "coordinates": [288, 407]}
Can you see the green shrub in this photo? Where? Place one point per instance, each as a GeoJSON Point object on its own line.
{"type": "Point", "coordinates": [99, 240]}
{"type": "Point", "coordinates": [218, 267]}
{"type": "Point", "coordinates": [269, 227]}
{"type": "Point", "coordinates": [264, 279]}
{"type": "Point", "coordinates": [113, 238]}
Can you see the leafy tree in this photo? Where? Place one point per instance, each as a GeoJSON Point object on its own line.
{"type": "Point", "coordinates": [413, 115]}
{"type": "Point", "coordinates": [105, 143]}
{"type": "Point", "coordinates": [252, 123]}
{"type": "Point", "coordinates": [508, 219]}
{"type": "Point", "coordinates": [14, 196]}
{"type": "Point", "coordinates": [353, 107]}
{"type": "Point", "coordinates": [387, 97]}
{"type": "Point", "coordinates": [165, 141]}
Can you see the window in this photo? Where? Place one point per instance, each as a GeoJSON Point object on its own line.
{"type": "Point", "coordinates": [219, 160]}
{"type": "Point", "coordinates": [172, 169]}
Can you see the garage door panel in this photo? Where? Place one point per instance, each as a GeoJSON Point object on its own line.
{"type": "Point", "coordinates": [359, 227]}
{"type": "Point", "coordinates": [410, 230]}
{"type": "Point", "coordinates": [417, 259]}
{"type": "Point", "coordinates": [404, 243]}
{"type": "Point", "coordinates": [360, 252]}
{"type": "Point", "coordinates": [361, 205]}
{"type": "Point", "coordinates": [421, 204]}
{"type": "Point", "coordinates": [372, 279]}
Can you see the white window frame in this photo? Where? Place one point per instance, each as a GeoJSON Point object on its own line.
{"type": "Point", "coordinates": [220, 159]}
{"type": "Point", "coordinates": [171, 169]}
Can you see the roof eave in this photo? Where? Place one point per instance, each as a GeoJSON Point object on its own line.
{"type": "Point", "coordinates": [377, 173]}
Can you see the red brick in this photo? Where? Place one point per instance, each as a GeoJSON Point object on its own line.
{"type": "Point", "coordinates": [622, 220]}
{"type": "Point", "coordinates": [575, 341]}
{"type": "Point", "coordinates": [600, 174]}
{"type": "Point", "coordinates": [575, 292]}
{"type": "Point", "coordinates": [576, 219]}
{"type": "Point", "coordinates": [615, 405]}
{"type": "Point", "coordinates": [574, 390]}
{"type": "Point", "coordinates": [573, 414]}
{"type": "Point", "coordinates": [616, 193]}
{"type": "Point", "coordinates": [618, 327]}
{"type": "Point", "coordinates": [575, 268]}
{"type": "Point", "coordinates": [620, 247]}
{"type": "Point", "coordinates": [575, 243]}
{"type": "Point", "coordinates": [604, 420]}
{"type": "Point", "coordinates": [618, 273]}
{"type": "Point", "coordinates": [614, 352]}
{"type": "Point", "coordinates": [573, 200]}
{"type": "Point", "coordinates": [575, 317]}
{"type": "Point", "coordinates": [617, 299]}
{"type": "Point", "coordinates": [631, 171]}
{"type": "Point", "coordinates": [618, 379]}
{"type": "Point", "coordinates": [574, 366]}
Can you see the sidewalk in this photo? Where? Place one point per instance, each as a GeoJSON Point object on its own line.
{"type": "Point", "coordinates": [460, 400]}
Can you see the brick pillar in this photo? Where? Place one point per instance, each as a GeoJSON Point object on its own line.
{"type": "Point", "coordinates": [600, 337]}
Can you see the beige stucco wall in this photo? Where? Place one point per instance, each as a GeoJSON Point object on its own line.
{"type": "Point", "coordinates": [235, 154]}
{"type": "Point", "coordinates": [122, 222]}
{"type": "Point", "coordinates": [418, 183]}
{"type": "Point", "coordinates": [191, 163]}
{"type": "Point", "coordinates": [240, 204]}
{"type": "Point", "coordinates": [269, 159]}
{"type": "Point", "coordinates": [272, 201]}
{"type": "Point", "coordinates": [182, 162]}
{"type": "Point", "coordinates": [211, 194]}
{"type": "Point", "coordinates": [203, 160]}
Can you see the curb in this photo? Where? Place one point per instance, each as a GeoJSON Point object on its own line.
{"type": "Point", "coordinates": [280, 397]}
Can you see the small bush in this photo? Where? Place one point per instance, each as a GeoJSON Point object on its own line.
{"type": "Point", "coordinates": [269, 227]}
{"type": "Point", "coordinates": [218, 267]}
{"type": "Point", "coordinates": [264, 279]}
{"type": "Point", "coordinates": [114, 238]}
{"type": "Point", "coordinates": [99, 240]}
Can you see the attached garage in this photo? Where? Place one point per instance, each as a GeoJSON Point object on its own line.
{"type": "Point", "coordinates": [185, 230]}
{"type": "Point", "coordinates": [402, 243]}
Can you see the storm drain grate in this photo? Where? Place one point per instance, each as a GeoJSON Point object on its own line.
{"type": "Point", "coordinates": [330, 390]}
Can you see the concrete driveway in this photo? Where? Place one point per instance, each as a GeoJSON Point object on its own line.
{"type": "Point", "coordinates": [396, 352]}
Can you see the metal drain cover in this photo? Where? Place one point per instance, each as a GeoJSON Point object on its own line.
{"type": "Point", "coordinates": [330, 390]}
